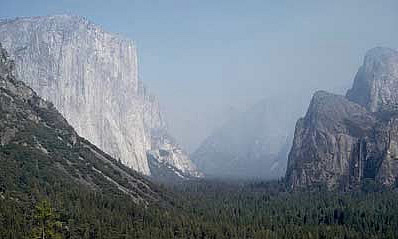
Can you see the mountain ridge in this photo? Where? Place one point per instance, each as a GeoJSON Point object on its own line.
{"type": "Point", "coordinates": [343, 142]}
{"type": "Point", "coordinates": [91, 76]}
{"type": "Point", "coordinates": [253, 144]}
{"type": "Point", "coordinates": [39, 145]}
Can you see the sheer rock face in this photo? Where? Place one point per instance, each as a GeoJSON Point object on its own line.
{"type": "Point", "coordinates": [33, 128]}
{"type": "Point", "coordinates": [342, 141]}
{"type": "Point", "coordinates": [376, 83]}
{"type": "Point", "coordinates": [91, 77]}
{"type": "Point", "coordinates": [325, 141]}
{"type": "Point", "coordinates": [252, 144]}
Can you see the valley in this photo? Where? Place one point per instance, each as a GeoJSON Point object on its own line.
{"type": "Point", "coordinates": [289, 112]}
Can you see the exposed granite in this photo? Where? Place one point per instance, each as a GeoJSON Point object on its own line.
{"type": "Point", "coordinates": [31, 129]}
{"type": "Point", "coordinates": [376, 83]}
{"type": "Point", "coordinates": [91, 77]}
{"type": "Point", "coordinates": [342, 141]}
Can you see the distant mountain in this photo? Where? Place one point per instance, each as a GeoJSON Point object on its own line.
{"type": "Point", "coordinates": [344, 142]}
{"type": "Point", "coordinates": [39, 147]}
{"type": "Point", "coordinates": [376, 83]}
{"type": "Point", "coordinates": [254, 144]}
{"type": "Point", "coordinates": [91, 77]}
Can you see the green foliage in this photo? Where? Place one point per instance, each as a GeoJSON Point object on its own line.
{"type": "Point", "coordinates": [45, 222]}
{"type": "Point", "coordinates": [202, 210]}
{"type": "Point", "coordinates": [52, 185]}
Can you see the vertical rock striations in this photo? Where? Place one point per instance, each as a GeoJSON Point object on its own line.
{"type": "Point", "coordinates": [38, 147]}
{"type": "Point", "coordinates": [91, 77]}
{"type": "Point", "coordinates": [343, 141]}
{"type": "Point", "coordinates": [325, 140]}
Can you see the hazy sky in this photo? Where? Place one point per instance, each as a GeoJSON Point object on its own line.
{"type": "Point", "coordinates": [208, 59]}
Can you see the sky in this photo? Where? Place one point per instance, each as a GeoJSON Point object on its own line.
{"type": "Point", "coordinates": [206, 60]}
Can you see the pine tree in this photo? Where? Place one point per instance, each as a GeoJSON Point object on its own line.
{"type": "Point", "coordinates": [46, 223]}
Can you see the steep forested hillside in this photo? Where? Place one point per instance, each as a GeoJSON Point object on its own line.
{"type": "Point", "coordinates": [55, 184]}
{"type": "Point", "coordinates": [39, 148]}
{"type": "Point", "coordinates": [42, 158]}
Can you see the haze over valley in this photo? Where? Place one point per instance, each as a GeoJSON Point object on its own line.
{"type": "Point", "coordinates": [188, 119]}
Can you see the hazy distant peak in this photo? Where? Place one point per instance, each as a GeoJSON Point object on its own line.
{"type": "Point", "coordinates": [381, 54]}
{"type": "Point", "coordinates": [376, 82]}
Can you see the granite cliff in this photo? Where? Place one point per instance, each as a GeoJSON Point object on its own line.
{"type": "Point", "coordinates": [91, 77]}
{"type": "Point", "coordinates": [344, 141]}
{"type": "Point", "coordinates": [38, 147]}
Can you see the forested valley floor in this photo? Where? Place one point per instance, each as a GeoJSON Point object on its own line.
{"type": "Point", "coordinates": [200, 209]}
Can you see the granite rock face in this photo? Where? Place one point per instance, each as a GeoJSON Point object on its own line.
{"type": "Point", "coordinates": [254, 144]}
{"type": "Point", "coordinates": [166, 154]}
{"type": "Point", "coordinates": [91, 77]}
{"type": "Point", "coordinates": [325, 141]}
{"type": "Point", "coordinates": [343, 141]}
{"type": "Point", "coordinates": [38, 145]}
{"type": "Point", "coordinates": [376, 83]}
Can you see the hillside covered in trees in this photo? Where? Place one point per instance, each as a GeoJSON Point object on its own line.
{"type": "Point", "coordinates": [203, 210]}
{"type": "Point", "coordinates": [56, 184]}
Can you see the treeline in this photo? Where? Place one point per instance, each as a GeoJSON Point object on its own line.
{"type": "Point", "coordinates": [268, 210]}
{"type": "Point", "coordinates": [201, 210]}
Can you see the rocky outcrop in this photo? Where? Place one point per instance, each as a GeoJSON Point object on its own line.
{"type": "Point", "coordinates": [376, 83]}
{"type": "Point", "coordinates": [167, 155]}
{"type": "Point", "coordinates": [343, 141]}
{"type": "Point", "coordinates": [325, 140]}
{"type": "Point", "coordinates": [38, 147]}
{"type": "Point", "coordinates": [254, 144]}
{"type": "Point", "coordinates": [91, 77]}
